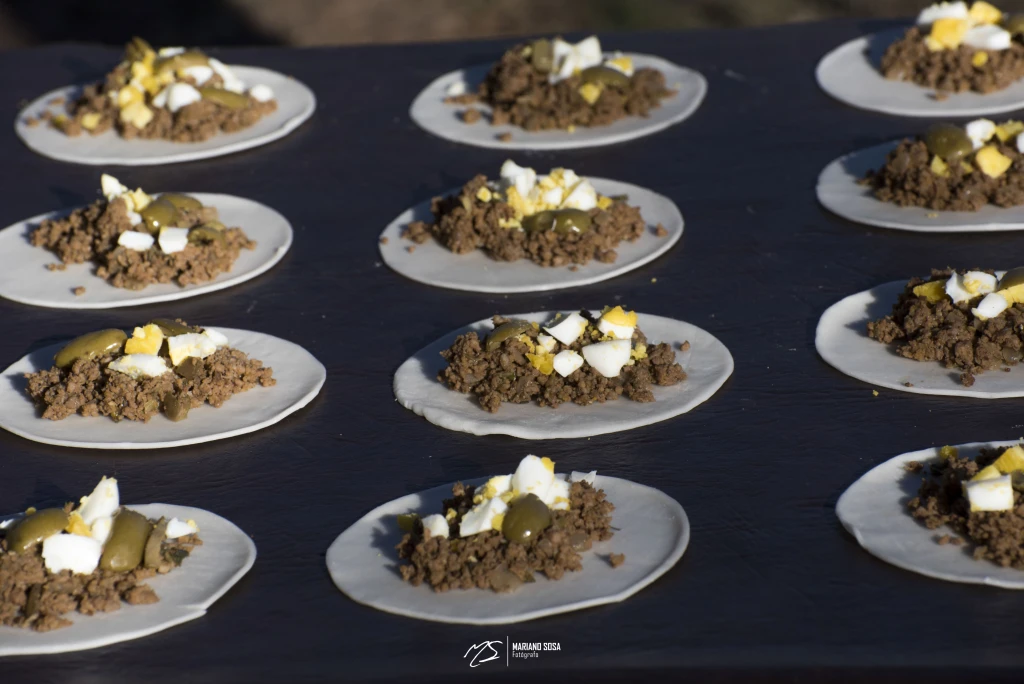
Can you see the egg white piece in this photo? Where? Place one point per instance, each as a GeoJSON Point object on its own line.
{"type": "Point", "coordinates": [552, 197]}
{"type": "Point", "coordinates": [103, 502]}
{"type": "Point", "coordinates": [140, 365]}
{"type": "Point", "coordinates": [579, 476]}
{"type": "Point", "coordinates": [980, 131]}
{"type": "Point", "coordinates": [80, 555]}
{"type": "Point", "coordinates": [569, 329]}
{"type": "Point", "coordinates": [261, 93]}
{"type": "Point", "coordinates": [219, 338]}
{"type": "Point", "coordinates": [546, 342]}
{"type": "Point", "coordinates": [619, 332]}
{"type": "Point", "coordinates": [173, 240]}
{"type": "Point", "coordinates": [567, 362]}
{"type": "Point", "coordinates": [456, 88]}
{"type": "Point", "coordinates": [181, 95]}
{"type": "Point", "coordinates": [1020, 143]}
{"type": "Point", "coordinates": [178, 528]}
{"type": "Point", "coordinates": [991, 306]}
{"type": "Point", "coordinates": [160, 99]}
{"type": "Point", "coordinates": [135, 240]}
{"type": "Point", "coordinates": [523, 178]}
{"type": "Point", "coordinates": [100, 530]}
{"type": "Point", "coordinates": [608, 358]}
{"type": "Point", "coordinates": [169, 51]}
{"type": "Point", "coordinates": [437, 525]}
{"type": "Point", "coordinates": [557, 496]}
{"type": "Point", "coordinates": [478, 519]}
{"type": "Point", "coordinates": [497, 485]}
{"type": "Point", "coordinates": [979, 282]}
{"type": "Point", "coordinates": [943, 10]}
{"type": "Point", "coordinates": [134, 218]}
{"type": "Point", "coordinates": [571, 58]}
{"type": "Point", "coordinates": [995, 494]}
{"type": "Point", "coordinates": [956, 291]}
{"type": "Point", "coordinates": [200, 73]}
{"type": "Point", "coordinates": [988, 37]}
{"type": "Point", "coordinates": [231, 82]}
{"type": "Point", "coordinates": [181, 347]}
{"type": "Point", "coordinates": [532, 477]}
{"type": "Point", "coordinates": [583, 197]}
{"type": "Point", "coordinates": [111, 187]}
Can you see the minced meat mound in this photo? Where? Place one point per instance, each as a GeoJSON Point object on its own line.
{"type": "Point", "coordinates": [89, 388]}
{"type": "Point", "coordinates": [90, 234]}
{"type": "Point", "coordinates": [32, 597]}
{"type": "Point", "coordinates": [196, 122]}
{"type": "Point", "coordinates": [908, 180]}
{"type": "Point", "coordinates": [952, 70]}
{"type": "Point", "coordinates": [520, 95]}
{"type": "Point", "coordinates": [949, 333]}
{"type": "Point", "coordinates": [998, 536]}
{"type": "Point", "coordinates": [505, 374]}
{"type": "Point", "coordinates": [489, 561]}
{"type": "Point", "coordinates": [463, 223]}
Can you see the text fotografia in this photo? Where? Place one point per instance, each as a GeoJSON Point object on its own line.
{"type": "Point", "coordinates": [532, 649]}
{"type": "Point", "coordinates": [492, 651]}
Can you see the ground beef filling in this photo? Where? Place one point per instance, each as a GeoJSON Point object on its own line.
{"type": "Point", "coordinates": [949, 333]}
{"type": "Point", "coordinates": [89, 388]}
{"type": "Point", "coordinates": [506, 375]}
{"type": "Point", "coordinates": [997, 536]}
{"type": "Point", "coordinates": [953, 70]}
{"type": "Point", "coordinates": [196, 122]}
{"type": "Point", "coordinates": [463, 223]}
{"type": "Point", "coordinates": [489, 561]}
{"type": "Point", "coordinates": [33, 598]}
{"type": "Point", "coordinates": [520, 95]}
{"type": "Point", "coordinates": [908, 180]}
{"type": "Point", "coordinates": [90, 235]}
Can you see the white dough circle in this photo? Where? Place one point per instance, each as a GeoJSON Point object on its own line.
{"type": "Point", "coordinates": [433, 264]}
{"type": "Point", "coordinates": [707, 363]}
{"type": "Point", "coordinates": [874, 511]}
{"type": "Point", "coordinates": [295, 103]}
{"type": "Point", "coordinates": [24, 277]}
{"type": "Point", "coordinates": [850, 73]}
{"type": "Point", "coordinates": [839, 192]}
{"type": "Point", "coordinates": [299, 379]}
{"type": "Point", "coordinates": [651, 529]}
{"type": "Point", "coordinates": [185, 594]}
{"type": "Point", "coordinates": [842, 340]}
{"type": "Point", "coordinates": [431, 113]}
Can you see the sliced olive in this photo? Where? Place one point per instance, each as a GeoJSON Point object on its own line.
{"type": "Point", "coordinates": [225, 98]}
{"type": "Point", "coordinates": [580, 541]}
{"type": "Point", "coordinates": [948, 142]}
{"type": "Point", "coordinates": [1012, 278]}
{"type": "Point", "coordinates": [189, 368]}
{"type": "Point", "coordinates": [171, 327]}
{"type": "Point", "coordinates": [159, 213]}
{"type": "Point", "coordinates": [1014, 24]}
{"type": "Point", "coordinates": [182, 202]}
{"type": "Point", "coordinates": [181, 60]}
{"type": "Point", "coordinates": [543, 56]}
{"type": "Point", "coordinates": [407, 522]}
{"type": "Point", "coordinates": [504, 332]}
{"type": "Point", "coordinates": [216, 225]}
{"type": "Point", "coordinates": [127, 542]}
{"type": "Point", "coordinates": [89, 346]}
{"type": "Point", "coordinates": [35, 528]}
{"type": "Point", "coordinates": [503, 580]}
{"type": "Point", "coordinates": [152, 555]}
{"type": "Point", "coordinates": [32, 600]}
{"type": "Point", "coordinates": [204, 234]}
{"type": "Point", "coordinates": [605, 76]}
{"type": "Point", "coordinates": [540, 222]}
{"type": "Point", "coordinates": [136, 49]}
{"type": "Point", "coordinates": [571, 221]}
{"type": "Point", "coordinates": [176, 406]}
{"type": "Point", "coordinates": [525, 519]}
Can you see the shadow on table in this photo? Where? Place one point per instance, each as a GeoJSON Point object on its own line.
{"type": "Point", "coordinates": [384, 541]}
{"type": "Point", "coordinates": [879, 42]}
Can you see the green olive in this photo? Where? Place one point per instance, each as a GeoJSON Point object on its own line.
{"type": "Point", "coordinates": [504, 332]}
{"type": "Point", "coordinates": [89, 346]}
{"type": "Point", "coordinates": [176, 406]}
{"type": "Point", "coordinates": [407, 522]}
{"type": "Point", "coordinates": [525, 519]}
{"type": "Point", "coordinates": [1014, 24]}
{"type": "Point", "coordinates": [181, 60]}
{"type": "Point", "coordinates": [189, 368]}
{"type": "Point", "coordinates": [542, 56]}
{"type": "Point", "coordinates": [170, 327]}
{"type": "Point", "coordinates": [216, 225]}
{"type": "Point", "coordinates": [605, 76]}
{"type": "Point", "coordinates": [136, 49]}
{"type": "Point", "coordinates": [152, 555]}
{"type": "Point", "coordinates": [35, 528]}
{"type": "Point", "coordinates": [540, 222]}
{"type": "Point", "coordinates": [182, 202]}
{"type": "Point", "coordinates": [1012, 278]}
{"type": "Point", "coordinates": [127, 542]}
{"type": "Point", "coordinates": [225, 98]}
{"type": "Point", "coordinates": [562, 221]}
{"type": "Point", "coordinates": [158, 214]}
{"type": "Point", "coordinates": [948, 142]}
{"type": "Point", "coordinates": [204, 234]}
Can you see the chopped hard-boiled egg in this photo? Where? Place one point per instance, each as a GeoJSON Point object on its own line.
{"type": "Point", "coordinates": [569, 329]}
{"type": "Point", "coordinates": [557, 495]}
{"type": "Point", "coordinates": [100, 530]}
{"type": "Point", "coordinates": [137, 114]}
{"type": "Point", "coordinates": [608, 358]}
{"type": "Point", "coordinates": [991, 306]}
{"type": "Point", "coordinates": [618, 323]}
{"type": "Point", "coordinates": [181, 95]}
{"type": "Point", "coordinates": [219, 338]}
{"type": "Point", "coordinates": [988, 37]}
{"type": "Point", "coordinates": [139, 365]}
{"type": "Point", "coordinates": [170, 51]}
{"type": "Point", "coordinates": [583, 197]}
{"type": "Point", "coordinates": [523, 179]}
{"type": "Point", "coordinates": [943, 10]}
{"type": "Point", "coordinates": [145, 340]}
{"type": "Point", "coordinates": [436, 525]}
{"type": "Point", "coordinates": [136, 240]}
{"type": "Point", "coordinates": [991, 161]}
{"type": "Point", "coordinates": [111, 187]}
{"type": "Point", "coordinates": [956, 291]}
{"type": "Point", "coordinates": [571, 59]}
{"type": "Point", "coordinates": [103, 502]}
{"type": "Point", "coordinates": [181, 347]}
{"type": "Point", "coordinates": [933, 290]}
{"type": "Point", "coordinates": [567, 362]}
{"type": "Point", "coordinates": [1010, 460]}
{"type": "Point", "coordinates": [546, 342]}
{"type": "Point", "coordinates": [231, 82]}
{"type": "Point", "coordinates": [947, 33]}
{"type": "Point", "coordinates": [980, 131]}
{"type": "Point", "coordinates": [579, 476]}
{"type": "Point", "coordinates": [261, 93]}
{"type": "Point", "coordinates": [480, 517]}
{"type": "Point", "coordinates": [621, 63]}
{"type": "Point", "coordinates": [173, 240]}
{"type": "Point", "coordinates": [533, 476]}
{"type": "Point", "coordinates": [80, 555]}
{"type": "Point", "coordinates": [180, 528]}
{"type": "Point", "coordinates": [991, 494]}
{"type": "Point", "coordinates": [979, 282]}
{"type": "Point", "coordinates": [984, 13]}
{"type": "Point", "coordinates": [200, 73]}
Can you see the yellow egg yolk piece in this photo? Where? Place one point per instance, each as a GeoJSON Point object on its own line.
{"type": "Point", "coordinates": [933, 291]}
{"type": "Point", "coordinates": [619, 316]}
{"type": "Point", "coordinates": [987, 473]}
{"type": "Point", "coordinates": [983, 13]}
{"type": "Point", "coordinates": [543, 362]}
{"type": "Point", "coordinates": [948, 32]}
{"type": "Point", "coordinates": [77, 526]}
{"type": "Point", "coordinates": [991, 161]}
{"type": "Point", "coordinates": [1011, 460]}
{"type": "Point", "coordinates": [145, 340]}
{"type": "Point", "coordinates": [939, 167]}
{"type": "Point", "coordinates": [548, 463]}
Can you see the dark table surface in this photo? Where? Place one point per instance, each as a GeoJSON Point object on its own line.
{"type": "Point", "coordinates": [771, 586]}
